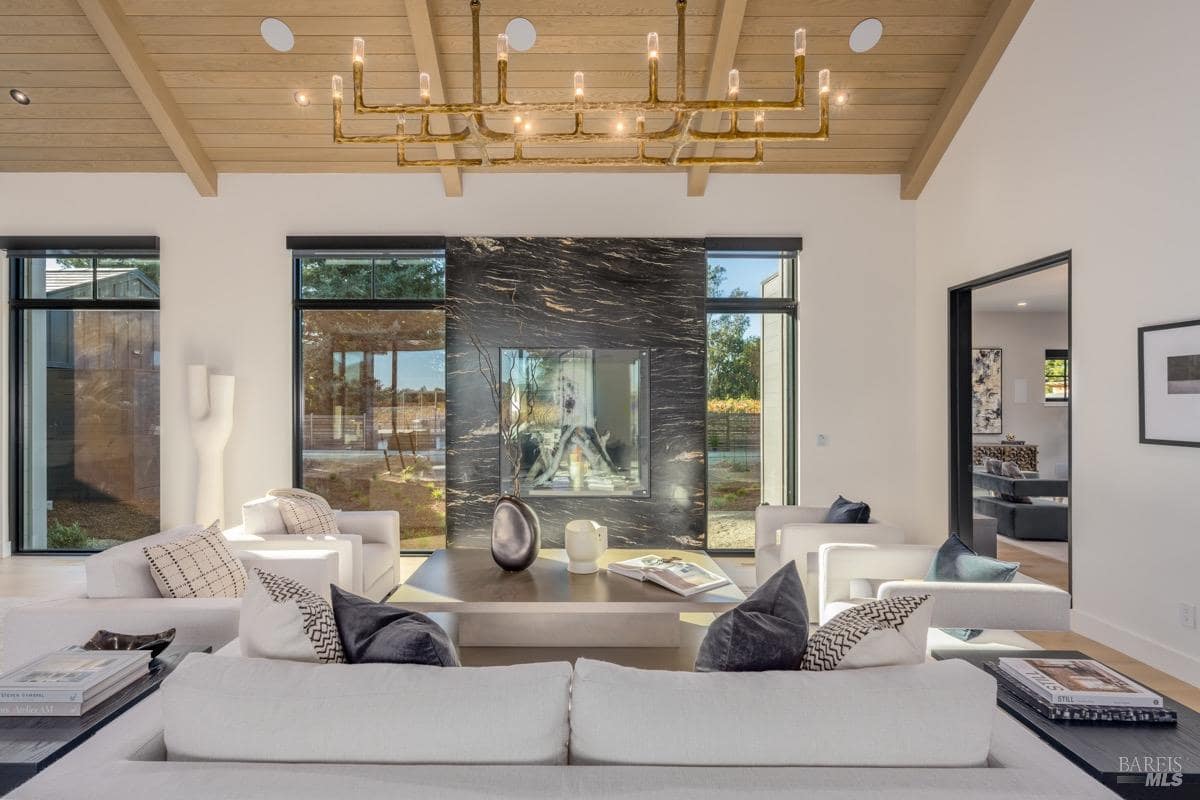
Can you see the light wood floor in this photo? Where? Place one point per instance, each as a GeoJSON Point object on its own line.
{"type": "Point", "coordinates": [47, 576]}
{"type": "Point", "coordinates": [1035, 565]}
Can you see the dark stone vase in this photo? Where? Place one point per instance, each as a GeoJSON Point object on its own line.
{"type": "Point", "coordinates": [516, 534]}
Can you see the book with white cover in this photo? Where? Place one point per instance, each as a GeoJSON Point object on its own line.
{"type": "Point", "coordinates": [681, 577]}
{"type": "Point", "coordinates": [1079, 682]}
{"type": "Point", "coordinates": [72, 675]}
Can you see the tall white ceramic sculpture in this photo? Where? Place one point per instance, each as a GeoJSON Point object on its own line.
{"type": "Point", "coordinates": [210, 406]}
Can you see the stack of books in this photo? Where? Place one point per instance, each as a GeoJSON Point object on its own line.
{"type": "Point", "coordinates": [680, 577]}
{"type": "Point", "coordinates": [70, 682]}
{"type": "Point", "coordinates": [1080, 689]}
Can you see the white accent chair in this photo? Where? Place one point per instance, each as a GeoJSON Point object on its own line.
{"type": "Point", "coordinates": [121, 596]}
{"type": "Point", "coordinates": [367, 543]}
{"type": "Point", "coordinates": [794, 533]}
{"type": "Point", "coordinates": [852, 574]}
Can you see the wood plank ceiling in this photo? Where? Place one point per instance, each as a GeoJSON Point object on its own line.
{"type": "Point", "coordinates": [237, 94]}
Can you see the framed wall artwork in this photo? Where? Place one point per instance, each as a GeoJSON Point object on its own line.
{"type": "Point", "coordinates": [1169, 378]}
{"type": "Point", "coordinates": [987, 387]}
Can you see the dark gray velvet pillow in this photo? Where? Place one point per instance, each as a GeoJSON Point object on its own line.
{"type": "Point", "coordinates": [847, 512]}
{"type": "Point", "coordinates": [767, 631]}
{"type": "Point", "coordinates": [383, 633]}
{"type": "Point", "coordinates": [957, 562]}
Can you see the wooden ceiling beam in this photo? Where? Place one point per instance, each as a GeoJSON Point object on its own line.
{"type": "Point", "coordinates": [999, 26]}
{"type": "Point", "coordinates": [725, 44]}
{"type": "Point", "coordinates": [123, 44]}
{"type": "Point", "coordinates": [425, 46]}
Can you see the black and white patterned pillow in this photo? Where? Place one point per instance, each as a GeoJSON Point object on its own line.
{"type": "Point", "coordinates": [833, 644]}
{"type": "Point", "coordinates": [305, 513]}
{"type": "Point", "coordinates": [316, 615]}
{"type": "Point", "coordinates": [198, 565]}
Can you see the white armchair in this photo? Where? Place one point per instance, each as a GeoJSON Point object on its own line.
{"type": "Point", "coordinates": [795, 533]}
{"type": "Point", "coordinates": [850, 574]}
{"type": "Point", "coordinates": [368, 543]}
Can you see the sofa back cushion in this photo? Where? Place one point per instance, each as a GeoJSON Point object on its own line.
{"type": "Point", "coordinates": [262, 516]}
{"type": "Point", "coordinates": [937, 714]}
{"type": "Point", "coordinates": [123, 571]}
{"type": "Point", "coordinates": [247, 709]}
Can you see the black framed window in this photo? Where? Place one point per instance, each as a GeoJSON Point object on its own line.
{"type": "Point", "coordinates": [1057, 374]}
{"type": "Point", "coordinates": [370, 378]}
{"type": "Point", "coordinates": [84, 392]}
{"type": "Point", "coordinates": [751, 416]}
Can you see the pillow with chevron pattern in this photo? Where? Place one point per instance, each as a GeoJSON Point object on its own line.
{"type": "Point", "coordinates": [282, 618]}
{"type": "Point", "coordinates": [879, 633]}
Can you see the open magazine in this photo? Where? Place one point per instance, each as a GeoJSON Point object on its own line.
{"type": "Point", "coordinates": [681, 577]}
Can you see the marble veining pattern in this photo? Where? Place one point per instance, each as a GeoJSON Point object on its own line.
{"type": "Point", "coordinates": [602, 293]}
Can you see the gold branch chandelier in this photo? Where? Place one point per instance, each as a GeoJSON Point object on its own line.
{"type": "Point", "coordinates": [671, 146]}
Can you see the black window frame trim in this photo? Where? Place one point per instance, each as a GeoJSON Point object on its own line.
{"type": "Point", "coordinates": [759, 247]}
{"type": "Point", "coordinates": [17, 249]}
{"type": "Point", "coordinates": [303, 247]}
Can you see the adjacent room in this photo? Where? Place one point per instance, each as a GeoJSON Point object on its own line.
{"type": "Point", "coordinates": [527, 399]}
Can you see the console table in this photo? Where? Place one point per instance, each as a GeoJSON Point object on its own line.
{"type": "Point", "coordinates": [1097, 748]}
{"type": "Point", "coordinates": [546, 606]}
{"type": "Point", "coordinates": [1025, 455]}
{"type": "Point", "coordinates": [30, 744]}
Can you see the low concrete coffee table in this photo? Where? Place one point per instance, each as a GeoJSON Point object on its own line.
{"type": "Point", "coordinates": [546, 606]}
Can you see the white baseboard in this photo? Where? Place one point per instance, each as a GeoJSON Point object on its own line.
{"type": "Point", "coordinates": [1159, 656]}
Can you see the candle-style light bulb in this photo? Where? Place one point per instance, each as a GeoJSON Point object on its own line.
{"type": "Point", "coordinates": [823, 81]}
{"type": "Point", "coordinates": [529, 126]}
{"type": "Point", "coordinates": [652, 45]}
{"type": "Point", "coordinates": [337, 87]}
{"type": "Point", "coordinates": [360, 50]}
{"type": "Point", "coordinates": [735, 82]}
{"type": "Point", "coordinates": [579, 84]}
{"type": "Point", "coordinates": [424, 82]}
{"type": "Point", "coordinates": [620, 124]}
{"type": "Point", "coordinates": [502, 47]}
{"type": "Point", "coordinates": [799, 41]}
{"type": "Point", "coordinates": [516, 119]}
{"type": "Point", "coordinates": [759, 118]}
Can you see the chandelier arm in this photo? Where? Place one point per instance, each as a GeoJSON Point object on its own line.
{"type": "Point", "coordinates": [681, 51]}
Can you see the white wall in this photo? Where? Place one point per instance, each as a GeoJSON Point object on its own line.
{"type": "Point", "coordinates": [226, 281]}
{"type": "Point", "coordinates": [1025, 338]}
{"type": "Point", "coordinates": [1085, 139]}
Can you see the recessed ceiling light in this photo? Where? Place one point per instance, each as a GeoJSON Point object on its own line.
{"type": "Point", "coordinates": [277, 34]}
{"type": "Point", "coordinates": [302, 99]}
{"type": "Point", "coordinates": [866, 35]}
{"type": "Point", "coordinates": [521, 34]}
{"type": "Point", "coordinates": [1022, 304]}
{"type": "Point", "coordinates": [19, 97]}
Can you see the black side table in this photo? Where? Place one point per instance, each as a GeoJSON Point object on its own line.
{"type": "Point", "coordinates": [1115, 755]}
{"type": "Point", "coordinates": [30, 744]}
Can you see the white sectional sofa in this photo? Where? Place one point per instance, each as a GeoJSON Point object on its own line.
{"type": "Point", "coordinates": [121, 596]}
{"type": "Point", "coordinates": [250, 728]}
{"type": "Point", "coordinates": [367, 542]}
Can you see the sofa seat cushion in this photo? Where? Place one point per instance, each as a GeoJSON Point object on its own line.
{"type": "Point", "coordinates": [855, 718]}
{"type": "Point", "coordinates": [123, 571]}
{"type": "Point", "coordinates": [377, 560]}
{"type": "Point", "coordinates": [250, 709]}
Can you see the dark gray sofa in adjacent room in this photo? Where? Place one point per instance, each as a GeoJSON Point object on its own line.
{"type": "Point", "coordinates": [1040, 519]}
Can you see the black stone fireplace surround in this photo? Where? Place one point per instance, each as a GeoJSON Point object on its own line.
{"type": "Point", "coordinates": [587, 293]}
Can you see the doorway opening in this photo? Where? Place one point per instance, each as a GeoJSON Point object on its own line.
{"type": "Point", "coordinates": [1010, 416]}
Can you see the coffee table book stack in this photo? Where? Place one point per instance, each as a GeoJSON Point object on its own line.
{"type": "Point", "coordinates": [1080, 690]}
{"type": "Point", "coordinates": [69, 682]}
